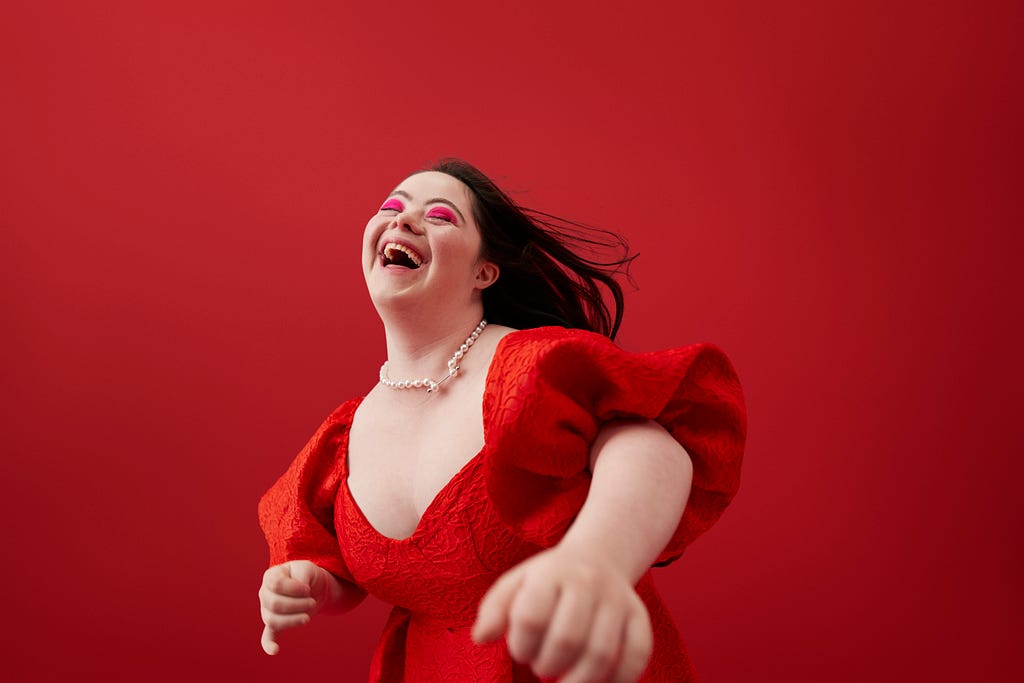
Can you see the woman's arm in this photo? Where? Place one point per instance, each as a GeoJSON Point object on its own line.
{"type": "Point", "coordinates": [294, 591]}
{"type": "Point", "coordinates": [572, 609]}
{"type": "Point", "coordinates": [641, 482]}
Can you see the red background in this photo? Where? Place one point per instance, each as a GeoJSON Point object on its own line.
{"type": "Point", "coordinates": [823, 189]}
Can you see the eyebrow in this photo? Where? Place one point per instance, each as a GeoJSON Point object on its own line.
{"type": "Point", "coordinates": [433, 200]}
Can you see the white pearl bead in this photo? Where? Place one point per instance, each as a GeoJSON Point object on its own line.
{"type": "Point", "coordinates": [429, 384]}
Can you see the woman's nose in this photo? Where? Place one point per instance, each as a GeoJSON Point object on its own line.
{"type": "Point", "coordinates": [406, 220]}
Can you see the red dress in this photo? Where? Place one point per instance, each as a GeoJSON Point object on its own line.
{"type": "Point", "coordinates": [548, 391]}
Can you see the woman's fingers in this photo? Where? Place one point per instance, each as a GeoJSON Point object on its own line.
{"type": "Point", "coordinates": [280, 580]}
{"type": "Point", "coordinates": [530, 615]}
{"type": "Point", "coordinates": [269, 642]}
{"type": "Point", "coordinates": [564, 619]}
{"type": "Point", "coordinates": [283, 622]}
{"type": "Point", "coordinates": [305, 572]}
{"type": "Point", "coordinates": [636, 651]}
{"type": "Point", "coordinates": [492, 616]}
{"type": "Point", "coordinates": [282, 604]}
{"type": "Point", "coordinates": [283, 613]}
{"type": "Point", "coordinates": [568, 632]}
{"type": "Point", "coordinates": [285, 602]}
{"type": "Point", "coordinates": [603, 647]}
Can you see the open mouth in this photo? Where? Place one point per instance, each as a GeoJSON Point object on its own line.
{"type": "Point", "coordinates": [395, 254]}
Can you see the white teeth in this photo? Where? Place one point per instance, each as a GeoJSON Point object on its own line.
{"type": "Point", "coordinates": [391, 247]}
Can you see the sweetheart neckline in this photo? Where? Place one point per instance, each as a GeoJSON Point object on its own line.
{"type": "Point", "coordinates": [418, 530]}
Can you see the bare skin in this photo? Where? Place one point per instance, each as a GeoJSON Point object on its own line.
{"type": "Point", "coordinates": [395, 465]}
{"type": "Point", "coordinates": [570, 611]}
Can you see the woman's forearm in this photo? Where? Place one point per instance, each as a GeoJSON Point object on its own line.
{"type": "Point", "coordinates": [573, 607]}
{"type": "Point", "coordinates": [641, 481]}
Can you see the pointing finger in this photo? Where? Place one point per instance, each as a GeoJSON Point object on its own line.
{"type": "Point", "coordinates": [529, 618]}
{"type": "Point", "coordinates": [492, 617]}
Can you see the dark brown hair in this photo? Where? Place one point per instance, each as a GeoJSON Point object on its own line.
{"type": "Point", "coordinates": [552, 269]}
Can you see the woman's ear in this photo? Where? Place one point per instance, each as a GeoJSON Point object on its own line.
{"type": "Point", "coordinates": [486, 274]}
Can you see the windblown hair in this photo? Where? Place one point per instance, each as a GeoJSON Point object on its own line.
{"type": "Point", "coordinates": [552, 269]}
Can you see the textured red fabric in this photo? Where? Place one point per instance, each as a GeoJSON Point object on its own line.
{"type": "Point", "coordinates": [548, 392]}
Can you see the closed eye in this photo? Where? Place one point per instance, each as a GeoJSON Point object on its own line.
{"type": "Point", "coordinates": [443, 214]}
{"type": "Point", "coordinates": [392, 205]}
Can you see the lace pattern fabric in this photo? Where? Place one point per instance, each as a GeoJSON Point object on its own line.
{"type": "Point", "coordinates": [549, 392]}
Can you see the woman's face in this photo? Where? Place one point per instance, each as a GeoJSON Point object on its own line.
{"type": "Point", "coordinates": [424, 240]}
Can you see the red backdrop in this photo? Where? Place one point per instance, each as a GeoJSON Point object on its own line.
{"type": "Point", "coordinates": [823, 189]}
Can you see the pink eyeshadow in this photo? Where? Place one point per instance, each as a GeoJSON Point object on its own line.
{"type": "Point", "coordinates": [392, 204]}
{"type": "Point", "coordinates": [443, 213]}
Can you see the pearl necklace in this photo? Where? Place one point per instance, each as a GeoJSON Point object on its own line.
{"type": "Point", "coordinates": [427, 383]}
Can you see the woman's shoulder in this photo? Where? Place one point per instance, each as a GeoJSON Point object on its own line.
{"type": "Point", "coordinates": [557, 353]}
{"type": "Point", "coordinates": [542, 366]}
{"type": "Point", "coordinates": [540, 341]}
{"type": "Point", "coordinates": [567, 351]}
{"type": "Point", "coordinates": [560, 386]}
{"type": "Point", "coordinates": [548, 365]}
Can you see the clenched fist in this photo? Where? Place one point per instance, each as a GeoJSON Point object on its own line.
{"type": "Point", "coordinates": [290, 595]}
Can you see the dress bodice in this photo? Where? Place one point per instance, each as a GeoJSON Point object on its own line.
{"type": "Point", "coordinates": [548, 393]}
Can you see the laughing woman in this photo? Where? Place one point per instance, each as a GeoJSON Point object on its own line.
{"type": "Point", "coordinates": [509, 482]}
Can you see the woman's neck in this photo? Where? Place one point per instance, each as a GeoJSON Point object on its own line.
{"type": "Point", "coordinates": [421, 346]}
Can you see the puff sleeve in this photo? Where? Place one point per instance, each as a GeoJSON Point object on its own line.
{"type": "Point", "coordinates": [562, 385]}
{"type": "Point", "coordinates": [297, 512]}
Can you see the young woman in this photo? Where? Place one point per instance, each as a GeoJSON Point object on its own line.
{"type": "Point", "coordinates": [514, 475]}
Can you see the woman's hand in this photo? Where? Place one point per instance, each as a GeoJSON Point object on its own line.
{"type": "Point", "coordinates": [568, 614]}
{"type": "Point", "coordinates": [290, 595]}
